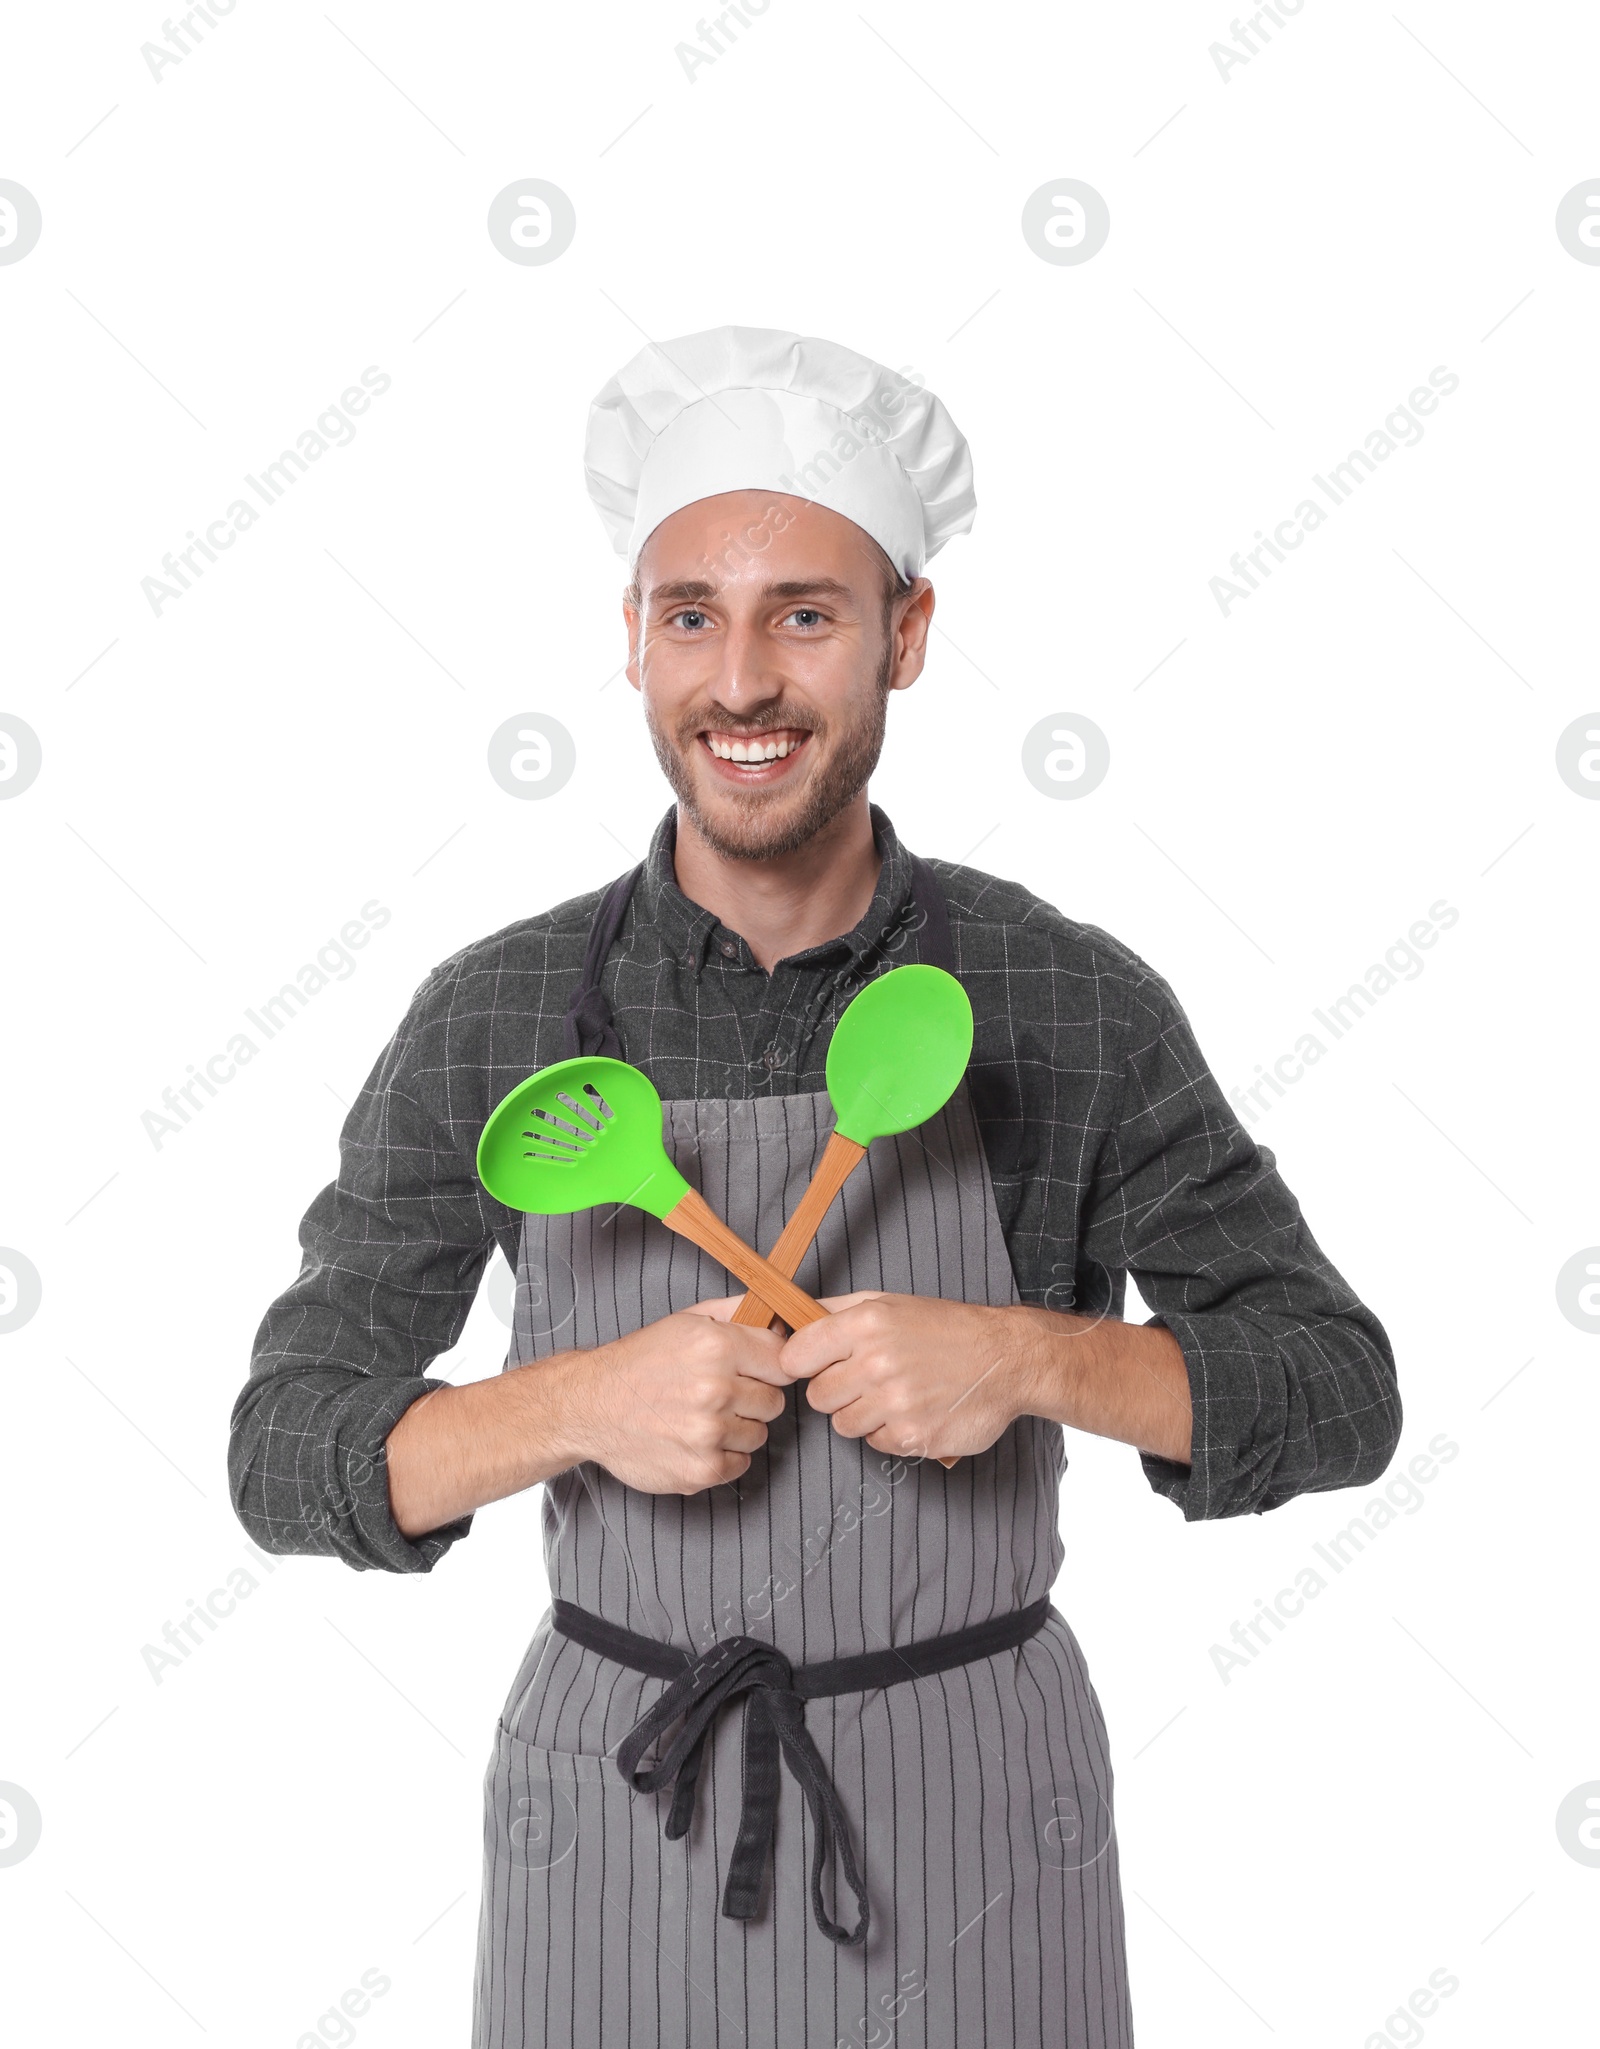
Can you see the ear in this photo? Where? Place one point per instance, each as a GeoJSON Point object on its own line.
{"type": "Point", "coordinates": [908, 635]}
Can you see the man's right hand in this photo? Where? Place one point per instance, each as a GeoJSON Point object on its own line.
{"type": "Point", "coordinates": [672, 1409]}
{"type": "Point", "coordinates": [680, 1405]}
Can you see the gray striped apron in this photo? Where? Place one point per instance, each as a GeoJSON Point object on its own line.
{"type": "Point", "coordinates": [970, 1806]}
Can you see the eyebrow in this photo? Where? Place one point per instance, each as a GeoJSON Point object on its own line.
{"type": "Point", "coordinates": [694, 591]}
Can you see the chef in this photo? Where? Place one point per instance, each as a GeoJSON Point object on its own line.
{"type": "Point", "coordinates": [801, 1752]}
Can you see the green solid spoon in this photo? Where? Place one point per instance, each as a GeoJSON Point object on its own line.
{"type": "Point", "coordinates": [897, 1054]}
{"type": "Point", "coordinates": [587, 1132]}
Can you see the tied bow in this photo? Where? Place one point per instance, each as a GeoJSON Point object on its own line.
{"type": "Point", "coordinates": [774, 1727]}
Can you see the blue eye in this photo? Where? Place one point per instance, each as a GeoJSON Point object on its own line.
{"type": "Point", "coordinates": [807, 615]}
{"type": "Point", "coordinates": [691, 618]}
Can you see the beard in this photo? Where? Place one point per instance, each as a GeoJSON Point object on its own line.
{"type": "Point", "coordinates": [764, 824]}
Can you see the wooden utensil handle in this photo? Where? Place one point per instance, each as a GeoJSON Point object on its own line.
{"type": "Point", "coordinates": [692, 1217]}
{"type": "Point", "coordinates": [840, 1157]}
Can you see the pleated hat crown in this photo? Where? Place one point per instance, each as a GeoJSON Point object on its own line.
{"type": "Point", "coordinates": [755, 408]}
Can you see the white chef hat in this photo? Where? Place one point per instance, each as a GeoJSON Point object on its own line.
{"type": "Point", "coordinates": [741, 408]}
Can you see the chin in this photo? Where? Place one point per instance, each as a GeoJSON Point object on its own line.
{"type": "Point", "coordinates": [766, 822]}
{"type": "Point", "coordinates": [753, 828]}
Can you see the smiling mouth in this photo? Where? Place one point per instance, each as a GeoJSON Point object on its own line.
{"type": "Point", "coordinates": [749, 756]}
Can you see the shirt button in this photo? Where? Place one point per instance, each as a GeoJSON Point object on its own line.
{"type": "Point", "coordinates": [729, 949]}
{"type": "Point", "coordinates": [770, 1059]}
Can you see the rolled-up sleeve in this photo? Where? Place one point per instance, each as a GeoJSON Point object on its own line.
{"type": "Point", "coordinates": [391, 1255]}
{"type": "Point", "coordinates": [1292, 1377]}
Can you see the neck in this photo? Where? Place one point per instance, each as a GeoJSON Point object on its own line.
{"type": "Point", "coordinates": [793, 901]}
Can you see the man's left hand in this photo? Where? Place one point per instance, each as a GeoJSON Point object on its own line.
{"type": "Point", "coordinates": [913, 1376]}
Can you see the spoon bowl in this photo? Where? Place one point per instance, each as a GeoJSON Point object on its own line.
{"type": "Point", "coordinates": [588, 1132]}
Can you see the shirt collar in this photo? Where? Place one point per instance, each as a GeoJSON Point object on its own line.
{"type": "Point", "coordinates": [687, 931]}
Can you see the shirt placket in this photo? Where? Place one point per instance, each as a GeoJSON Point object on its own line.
{"type": "Point", "coordinates": [782, 1012]}
{"type": "Point", "coordinates": [776, 1063]}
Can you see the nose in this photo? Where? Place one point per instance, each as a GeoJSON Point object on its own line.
{"type": "Point", "coordinates": [744, 679]}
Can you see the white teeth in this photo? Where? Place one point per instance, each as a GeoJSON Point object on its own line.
{"type": "Point", "coordinates": [751, 752]}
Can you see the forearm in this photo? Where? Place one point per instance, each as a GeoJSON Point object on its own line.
{"type": "Point", "coordinates": [1126, 1381]}
{"type": "Point", "coordinates": [460, 1447]}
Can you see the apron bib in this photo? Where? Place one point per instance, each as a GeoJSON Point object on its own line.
{"type": "Point", "coordinates": [976, 1801]}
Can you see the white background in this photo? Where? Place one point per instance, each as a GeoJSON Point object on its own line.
{"type": "Point", "coordinates": [226, 784]}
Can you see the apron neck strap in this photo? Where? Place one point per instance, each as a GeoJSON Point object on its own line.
{"type": "Point", "coordinates": [935, 944]}
{"type": "Point", "coordinates": [589, 1026]}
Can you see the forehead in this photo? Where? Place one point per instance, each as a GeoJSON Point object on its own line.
{"type": "Point", "coordinates": [755, 540]}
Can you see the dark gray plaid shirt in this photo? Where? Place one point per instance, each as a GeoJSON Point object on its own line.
{"type": "Point", "coordinates": [1111, 1148]}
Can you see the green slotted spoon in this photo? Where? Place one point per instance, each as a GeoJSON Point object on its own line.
{"type": "Point", "coordinates": [588, 1132]}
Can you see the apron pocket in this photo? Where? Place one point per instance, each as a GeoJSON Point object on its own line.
{"type": "Point", "coordinates": [579, 1893]}
{"type": "Point", "coordinates": [534, 1796]}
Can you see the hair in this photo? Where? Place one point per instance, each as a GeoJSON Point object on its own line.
{"type": "Point", "coordinates": [895, 586]}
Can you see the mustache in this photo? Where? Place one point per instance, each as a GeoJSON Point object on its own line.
{"type": "Point", "coordinates": [774, 719]}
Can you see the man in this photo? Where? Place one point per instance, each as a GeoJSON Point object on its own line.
{"type": "Point", "coordinates": [802, 1752]}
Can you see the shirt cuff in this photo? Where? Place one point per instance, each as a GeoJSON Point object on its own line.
{"type": "Point", "coordinates": [1239, 1393]}
{"type": "Point", "coordinates": [362, 1453]}
{"type": "Point", "coordinates": [336, 1500]}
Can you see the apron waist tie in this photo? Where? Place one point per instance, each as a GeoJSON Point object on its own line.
{"type": "Point", "coordinates": [775, 1693]}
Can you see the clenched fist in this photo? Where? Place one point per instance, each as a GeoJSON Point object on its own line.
{"type": "Point", "coordinates": [914, 1376]}
{"type": "Point", "coordinates": [680, 1405]}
